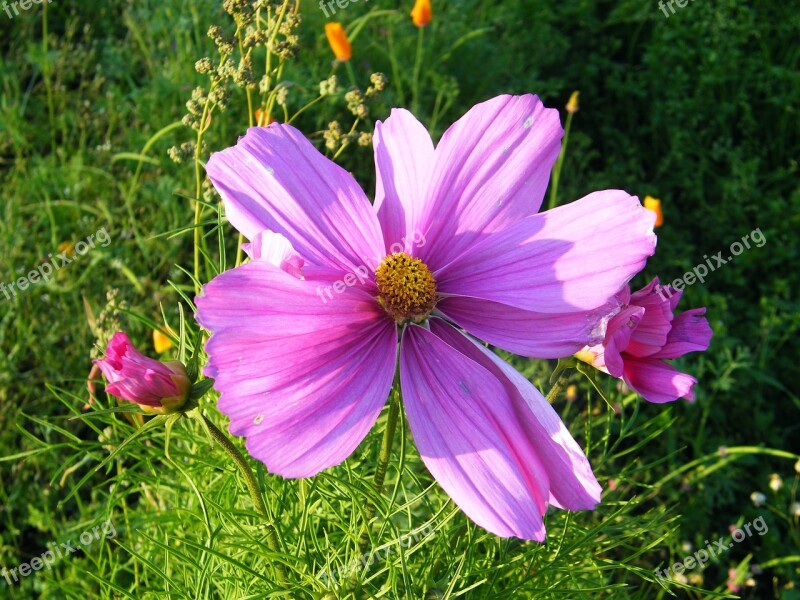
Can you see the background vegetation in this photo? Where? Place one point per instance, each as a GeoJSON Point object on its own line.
{"type": "Point", "coordinates": [699, 109]}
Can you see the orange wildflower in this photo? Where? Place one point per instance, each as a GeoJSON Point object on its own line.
{"type": "Point", "coordinates": [161, 342]}
{"type": "Point", "coordinates": [421, 14]}
{"type": "Point", "coordinates": [654, 204]}
{"type": "Point", "coordinates": [572, 105]}
{"type": "Point", "coordinates": [337, 38]}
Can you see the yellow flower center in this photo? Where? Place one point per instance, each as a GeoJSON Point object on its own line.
{"type": "Point", "coordinates": [406, 287]}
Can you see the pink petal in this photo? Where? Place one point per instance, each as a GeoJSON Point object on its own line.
{"type": "Point", "coordinates": [277, 250]}
{"type": "Point", "coordinates": [302, 376]}
{"type": "Point", "coordinates": [275, 179]}
{"type": "Point", "coordinates": [618, 336]}
{"type": "Point", "coordinates": [470, 439]}
{"type": "Point", "coordinates": [657, 381]}
{"type": "Point", "coordinates": [491, 169]}
{"type": "Point", "coordinates": [690, 333]}
{"type": "Point", "coordinates": [403, 163]}
{"type": "Point", "coordinates": [651, 332]}
{"type": "Point", "coordinates": [569, 259]}
{"type": "Point", "coordinates": [488, 436]}
{"type": "Point", "coordinates": [572, 484]}
{"type": "Point", "coordinates": [524, 332]}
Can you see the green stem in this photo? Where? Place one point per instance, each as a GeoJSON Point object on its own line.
{"type": "Point", "coordinates": [557, 386]}
{"type": "Point", "coordinates": [559, 377]}
{"type": "Point", "coordinates": [46, 77]}
{"type": "Point", "coordinates": [417, 69]}
{"type": "Point", "coordinates": [351, 73]}
{"type": "Point", "coordinates": [396, 81]}
{"type": "Point", "coordinates": [388, 440]}
{"type": "Point", "coordinates": [380, 470]}
{"type": "Point", "coordinates": [553, 202]}
{"type": "Point", "coordinates": [255, 493]}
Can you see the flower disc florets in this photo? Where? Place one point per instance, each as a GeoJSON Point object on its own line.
{"type": "Point", "coordinates": [407, 289]}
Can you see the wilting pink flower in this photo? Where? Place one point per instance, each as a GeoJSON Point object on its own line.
{"type": "Point", "coordinates": [306, 337]}
{"type": "Point", "coordinates": [158, 387]}
{"type": "Point", "coordinates": [641, 333]}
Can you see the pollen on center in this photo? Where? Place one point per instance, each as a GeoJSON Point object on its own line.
{"type": "Point", "coordinates": [406, 287]}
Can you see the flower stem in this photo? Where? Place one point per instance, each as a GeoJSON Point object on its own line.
{"type": "Point", "coordinates": [553, 202]}
{"type": "Point", "coordinates": [388, 439]}
{"type": "Point", "coordinates": [417, 69]}
{"type": "Point", "coordinates": [559, 377]}
{"type": "Point", "coordinates": [380, 470]}
{"type": "Point", "coordinates": [255, 493]}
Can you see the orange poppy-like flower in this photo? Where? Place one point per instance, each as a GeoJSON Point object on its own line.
{"type": "Point", "coordinates": [654, 204]}
{"type": "Point", "coordinates": [337, 38]}
{"type": "Point", "coordinates": [572, 105]}
{"type": "Point", "coordinates": [421, 14]}
{"type": "Point", "coordinates": [161, 342]}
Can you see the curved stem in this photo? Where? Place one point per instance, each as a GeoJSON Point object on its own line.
{"type": "Point", "coordinates": [380, 470]}
{"type": "Point", "coordinates": [417, 69]}
{"type": "Point", "coordinates": [255, 493]}
{"type": "Point", "coordinates": [559, 377]}
{"type": "Point", "coordinates": [553, 202]}
{"type": "Point", "coordinates": [388, 440]}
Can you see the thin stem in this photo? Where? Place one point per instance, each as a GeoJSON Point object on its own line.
{"type": "Point", "coordinates": [46, 77]}
{"type": "Point", "coordinates": [255, 493]}
{"type": "Point", "coordinates": [561, 377]}
{"type": "Point", "coordinates": [417, 68]}
{"type": "Point", "coordinates": [198, 190]}
{"type": "Point", "coordinates": [397, 80]}
{"type": "Point", "coordinates": [380, 470]}
{"type": "Point", "coordinates": [388, 440]}
{"type": "Point", "coordinates": [553, 202]}
{"type": "Point", "coordinates": [351, 73]}
{"type": "Point", "coordinates": [302, 110]}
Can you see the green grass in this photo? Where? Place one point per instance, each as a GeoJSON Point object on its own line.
{"type": "Point", "coordinates": [699, 109]}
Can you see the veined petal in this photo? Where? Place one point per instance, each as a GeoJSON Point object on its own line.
{"type": "Point", "coordinates": [690, 333]}
{"type": "Point", "coordinates": [490, 170]}
{"type": "Point", "coordinates": [403, 163]}
{"type": "Point", "coordinates": [618, 335]}
{"type": "Point", "coordinates": [524, 332]}
{"type": "Point", "coordinates": [569, 259]}
{"type": "Point", "coordinates": [572, 484]}
{"type": "Point", "coordinates": [273, 178]}
{"type": "Point", "coordinates": [470, 438]}
{"type": "Point", "coordinates": [657, 381]}
{"type": "Point", "coordinates": [277, 250]}
{"type": "Point", "coordinates": [652, 330]}
{"type": "Point", "coordinates": [302, 376]}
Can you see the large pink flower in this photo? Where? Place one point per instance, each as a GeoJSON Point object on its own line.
{"type": "Point", "coordinates": [304, 343]}
{"type": "Point", "coordinates": [641, 333]}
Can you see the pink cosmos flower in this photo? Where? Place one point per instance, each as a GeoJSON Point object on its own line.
{"type": "Point", "coordinates": [158, 387]}
{"type": "Point", "coordinates": [643, 333]}
{"type": "Point", "coordinates": [306, 336]}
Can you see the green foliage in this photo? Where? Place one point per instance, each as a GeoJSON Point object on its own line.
{"type": "Point", "coordinates": [699, 109]}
